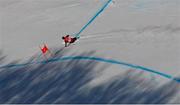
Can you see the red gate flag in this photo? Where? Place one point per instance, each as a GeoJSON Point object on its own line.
{"type": "Point", "coordinates": [44, 49]}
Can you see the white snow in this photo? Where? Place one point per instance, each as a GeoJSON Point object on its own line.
{"type": "Point", "coordinates": [131, 31]}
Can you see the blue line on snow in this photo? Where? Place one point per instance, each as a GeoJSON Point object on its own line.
{"type": "Point", "coordinates": [95, 59]}
{"type": "Point", "coordinates": [93, 18]}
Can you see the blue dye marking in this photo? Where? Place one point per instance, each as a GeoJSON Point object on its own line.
{"type": "Point", "coordinates": [92, 19]}
{"type": "Point", "coordinates": [95, 59]}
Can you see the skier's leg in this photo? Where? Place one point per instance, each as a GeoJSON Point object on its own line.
{"type": "Point", "coordinates": [66, 44]}
{"type": "Point", "coordinates": [73, 40]}
{"type": "Point", "coordinates": [69, 44]}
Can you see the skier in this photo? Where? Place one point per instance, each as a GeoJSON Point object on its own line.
{"type": "Point", "coordinates": [68, 40]}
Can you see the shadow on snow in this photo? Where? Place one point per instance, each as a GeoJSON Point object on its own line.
{"type": "Point", "coordinates": [66, 82]}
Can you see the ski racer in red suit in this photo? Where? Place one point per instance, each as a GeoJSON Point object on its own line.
{"type": "Point", "coordinates": [68, 40]}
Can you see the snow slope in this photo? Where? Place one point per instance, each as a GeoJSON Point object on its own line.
{"type": "Point", "coordinates": [139, 32]}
